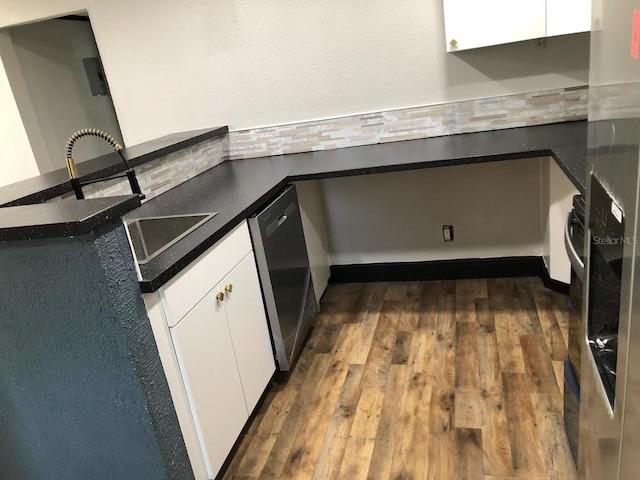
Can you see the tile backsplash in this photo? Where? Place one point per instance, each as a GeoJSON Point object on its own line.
{"type": "Point", "coordinates": [164, 173]}
{"type": "Point", "coordinates": [537, 108]}
{"type": "Point", "coordinates": [493, 113]}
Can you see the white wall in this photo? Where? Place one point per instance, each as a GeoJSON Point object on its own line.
{"type": "Point", "coordinates": [495, 209]}
{"type": "Point", "coordinates": [17, 161]}
{"type": "Point", "coordinates": [175, 65]}
{"type": "Point", "coordinates": [49, 56]}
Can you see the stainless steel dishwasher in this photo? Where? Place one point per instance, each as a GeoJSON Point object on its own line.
{"type": "Point", "coordinates": [285, 276]}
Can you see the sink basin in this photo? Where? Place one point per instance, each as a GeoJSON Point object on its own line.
{"type": "Point", "coordinates": [153, 235]}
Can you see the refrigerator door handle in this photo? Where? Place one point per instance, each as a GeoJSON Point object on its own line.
{"type": "Point", "coordinates": [574, 258]}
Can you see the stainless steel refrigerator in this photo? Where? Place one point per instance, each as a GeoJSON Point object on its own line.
{"type": "Point", "coordinates": [609, 438]}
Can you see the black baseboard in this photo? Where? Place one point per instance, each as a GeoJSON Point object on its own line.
{"type": "Point", "coordinates": [465, 268]}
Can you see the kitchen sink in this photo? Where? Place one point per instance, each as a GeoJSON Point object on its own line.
{"type": "Point", "coordinates": [153, 235]}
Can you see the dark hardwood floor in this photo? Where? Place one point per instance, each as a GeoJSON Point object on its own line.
{"type": "Point", "coordinates": [421, 380]}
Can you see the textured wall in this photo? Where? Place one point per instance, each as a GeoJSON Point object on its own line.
{"type": "Point", "coordinates": [82, 391]}
{"type": "Point", "coordinates": [176, 65]}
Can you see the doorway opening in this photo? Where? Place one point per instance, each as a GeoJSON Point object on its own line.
{"type": "Point", "coordinates": [56, 76]}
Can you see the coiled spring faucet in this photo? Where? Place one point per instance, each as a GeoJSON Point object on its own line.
{"type": "Point", "coordinates": [76, 184]}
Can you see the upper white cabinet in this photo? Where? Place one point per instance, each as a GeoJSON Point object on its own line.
{"type": "Point", "coordinates": [473, 24]}
{"type": "Point", "coordinates": [568, 16]}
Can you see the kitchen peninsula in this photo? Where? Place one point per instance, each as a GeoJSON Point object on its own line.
{"type": "Point", "coordinates": [81, 312]}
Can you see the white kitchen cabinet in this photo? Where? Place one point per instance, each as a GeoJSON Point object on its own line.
{"type": "Point", "coordinates": [473, 24]}
{"type": "Point", "coordinates": [211, 329]}
{"type": "Point", "coordinates": [210, 373]}
{"type": "Point", "coordinates": [568, 16]}
{"type": "Point", "coordinates": [249, 331]}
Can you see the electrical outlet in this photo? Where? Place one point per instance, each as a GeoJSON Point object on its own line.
{"type": "Point", "coordinates": [447, 233]}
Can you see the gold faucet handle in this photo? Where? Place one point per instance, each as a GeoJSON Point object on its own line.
{"type": "Point", "coordinates": [71, 168]}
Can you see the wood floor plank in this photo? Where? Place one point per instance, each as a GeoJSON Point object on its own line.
{"type": "Point", "coordinates": [274, 411]}
{"type": "Point", "coordinates": [479, 288]}
{"type": "Point", "coordinates": [350, 338]}
{"type": "Point", "coordinates": [553, 334]}
{"type": "Point", "coordinates": [496, 444]}
{"type": "Point", "coordinates": [511, 359]}
{"type": "Point", "coordinates": [401, 349]}
{"type": "Point", "coordinates": [557, 454]}
{"type": "Point", "coordinates": [423, 344]}
{"type": "Point", "coordinates": [335, 441]}
{"type": "Point", "coordinates": [373, 307]}
{"type": "Point", "coordinates": [333, 293]}
{"type": "Point", "coordinates": [357, 455]}
{"type": "Point", "coordinates": [558, 369]}
{"type": "Point", "coordinates": [465, 311]}
{"type": "Point", "coordinates": [389, 428]}
{"type": "Point", "coordinates": [315, 423]}
{"type": "Point", "coordinates": [325, 337]}
{"type": "Point", "coordinates": [468, 452]}
{"type": "Point", "coordinates": [431, 292]}
{"type": "Point", "coordinates": [282, 447]}
{"type": "Point", "coordinates": [376, 369]}
{"type": "Point", "coordinates": [498, 455]}
{"type": "Point", "coordinates": [466, 367]}
{"type": "Point", "coordinates": [538, 364]}
{"type": "Point", "coordinates": [437, 380]}
{"type": "Point", "coordinates": [352, 304]}
{"type": "Point", "coordinates": [468, 410]}
{"type": "Point", "coordinates": [442, 443]}
{"type": "Point", "coordinates": [409, 453]}
{"type": "Point", "coordinates": [411, 307]}
{"type": "Point", "coordinates": [396, 291]}
{"type": "Point", "coordinates": [525, 440]}
{"type": "Point", "coordinates": [527, 311]}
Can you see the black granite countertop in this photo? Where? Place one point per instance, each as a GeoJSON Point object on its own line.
{"type": "Point", "coordinates": [236, 189]}
{"type": "Point", "coordinates": [44, 187]}
{"type": "Point", "coordinates": [66, 218]}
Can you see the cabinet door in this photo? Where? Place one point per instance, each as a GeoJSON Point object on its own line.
{"type": "Point", "coordinates": [568, 16]}
{"type": "Point", "coordinates": [210, 374]}
{"type": "Point", "coordinates": [249, 331]}
{"type": "Point", "coordinates": [473, 23]}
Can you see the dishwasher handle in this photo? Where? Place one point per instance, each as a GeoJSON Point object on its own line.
{"type": "Point", "coordinates": [574, 258]}
{"type": "Point", "coordinates": [281, 219]}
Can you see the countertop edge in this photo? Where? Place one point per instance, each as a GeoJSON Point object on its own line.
{"type": "Point", "coordinates": [82, 226]}
{"type": "Point", "coordinates": [154, 284]}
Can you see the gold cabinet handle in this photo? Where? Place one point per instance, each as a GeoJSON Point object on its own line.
{"type": "Point", "coordinates": [220, 296]}
{"type": "Point", "coordinates": [453, 43]}
{"type": "Point", "coordinates": [229, 288]}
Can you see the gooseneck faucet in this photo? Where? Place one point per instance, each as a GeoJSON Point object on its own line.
{"type": "Point", "coordinates": [76, 184]}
